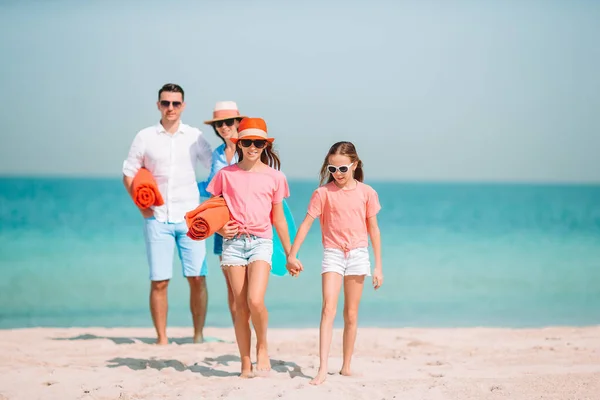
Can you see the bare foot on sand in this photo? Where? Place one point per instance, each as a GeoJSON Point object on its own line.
{"type": "Point", "coordinates": [246, 374]}
{"type": "Point", "coordinates": [161, 341]}
{"type": "Point", "coordinates": [263, 364]}
{"type": "Point", "coordinates": [199, 338]}
{"type": "Point", "coordinates": [320, 378]}
{"type": "Point", "coordinates": [346, 372]}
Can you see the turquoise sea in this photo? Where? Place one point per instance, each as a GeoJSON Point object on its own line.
{"type": "Point", "coordinates": [72, 254]}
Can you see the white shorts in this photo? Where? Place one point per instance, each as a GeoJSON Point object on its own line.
{"type": "Point", "coordinates": [355, 262]}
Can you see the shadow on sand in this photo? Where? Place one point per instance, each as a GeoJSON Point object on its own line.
{"type": "Point", "coordinates": [147, 340]}
{"type": "Point", "coordinates": [207, 369]}
{"type": "Point", "coordinates": [138, 364]}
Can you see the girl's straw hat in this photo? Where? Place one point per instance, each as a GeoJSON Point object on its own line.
{"type": "Point", "coordinates": [224, 110]}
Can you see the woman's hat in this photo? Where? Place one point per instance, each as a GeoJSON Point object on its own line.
{"type": "Point", "coordinates": [252, 128]}
{"type": "Point", "coordinates": [224, 110]}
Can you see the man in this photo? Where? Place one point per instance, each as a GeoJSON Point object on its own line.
{"type": "Point", "coordinates": [170, 150]}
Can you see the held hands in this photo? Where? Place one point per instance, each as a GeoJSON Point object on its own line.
{"type": "Point", "coordinates": [294, 266]}
{"type": "Point", "coordinates": [377, 278]}
{"type": "Point", "coordinates": [229, 230]}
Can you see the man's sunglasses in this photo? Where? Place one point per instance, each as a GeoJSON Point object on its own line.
{"type": "Point", "coordinates": [258, 143]}
{"type": "Point", "coordinates": [342, 168]}
{"type": "Point", "coordinates": [228, 122]}
{"type": "Point", "coordinates": [167, 103]}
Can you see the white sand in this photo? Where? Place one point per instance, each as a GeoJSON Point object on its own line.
{"type": "Point", "coordinates": [99, 363]}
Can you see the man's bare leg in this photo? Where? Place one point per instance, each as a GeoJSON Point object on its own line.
{"type": "Point", "coordinates": [158, 309]}
{"type": "Point", "coordinates": [198, 303]}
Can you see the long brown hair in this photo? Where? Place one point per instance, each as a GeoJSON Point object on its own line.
{"type": "Point", "coordinates": [268, 156]}
{"type": "Point", "coordinates": [344, 149]}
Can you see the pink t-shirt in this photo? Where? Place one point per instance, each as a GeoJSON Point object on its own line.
{"type": "Point", "coordinates": [343, 214]}
{"type": "Point", "coordinates": [250, 196]}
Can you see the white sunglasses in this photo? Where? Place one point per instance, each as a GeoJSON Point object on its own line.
{"type": "Point", "coordinates": [342, 168]}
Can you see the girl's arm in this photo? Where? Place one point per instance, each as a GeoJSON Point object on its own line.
{"type": "Point", "coordinates": [301, 235]}
{"type": "Point", "coordinates": [281, 226]}
{"type": "Point", "coordinates": [375, 235]}
{"type": "Point", "coordinates": [214, 189]}
{"type": "Point", "coordinates": [293, 264]}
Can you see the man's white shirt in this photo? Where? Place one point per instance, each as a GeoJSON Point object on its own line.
{"type": "Point", "coordinates": [172, 159]}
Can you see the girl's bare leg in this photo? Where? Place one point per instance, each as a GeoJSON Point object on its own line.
{"type": "Point", "coordinates": [258, 278]}
{"type": "Point", "coordinates": [230, 300]}
{"type": "Point", "coordinates": [331, 282]}
{"type": "Point", "coordinates": [239, 287]}
{"type": "Point", "coordinates": [353, 288]}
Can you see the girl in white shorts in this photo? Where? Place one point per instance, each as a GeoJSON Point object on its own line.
{"type": "Point", "coordinates": [348, 211]}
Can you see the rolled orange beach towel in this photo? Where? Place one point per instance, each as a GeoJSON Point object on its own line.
{"type": "Point", "coordinates": [207, 218]}
{"type": "Point", "coordinates": [144, 190]}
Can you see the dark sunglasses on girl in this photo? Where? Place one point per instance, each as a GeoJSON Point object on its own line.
{"type": "Point", "coordinates": [167, 103]}
{"type": "Point", "coordinates": [342, 168]}
{"type": "Point", "coordinates": [228, 122]}
{"type": "Point", "coordinates": [258, 143]}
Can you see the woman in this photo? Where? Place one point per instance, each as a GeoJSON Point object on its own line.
{"type": "Point", "coordinates": [225, 121]}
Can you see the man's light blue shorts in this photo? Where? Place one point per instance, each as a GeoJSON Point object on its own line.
{"type": "Point", "coordinates": [161, 239]}
{"type": "Point", "coordinates": [245, 249]}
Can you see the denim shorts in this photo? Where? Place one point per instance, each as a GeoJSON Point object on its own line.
{"type": "Point", "coordinates": [161, 240]}
{"type": "Point", "coordinates": [354, 262]}
{"type": "Point", "coordinates": [245, 249]}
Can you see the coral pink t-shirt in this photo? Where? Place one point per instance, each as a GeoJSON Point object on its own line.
{"type": "Point", "coordinates": [250, 196]}
{"type": "Point", "coordinates": [343, 214]}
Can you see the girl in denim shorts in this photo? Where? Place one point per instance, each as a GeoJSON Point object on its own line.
{"type": "Point", "coordinates": [348, 211]}
{"type": "Point", "coordinates": [254, 190]}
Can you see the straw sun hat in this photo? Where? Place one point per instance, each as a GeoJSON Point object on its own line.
{"type": "Point", "coordinates": [224, 110]}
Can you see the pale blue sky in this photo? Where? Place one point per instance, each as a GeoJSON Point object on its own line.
{"type": "Point", "coordinates": [427, 90]}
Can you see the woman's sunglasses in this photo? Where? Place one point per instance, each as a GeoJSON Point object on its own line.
{"type": "Point", "coordinates": [228, 122]}
{"type": "Point", "coordinates": [342, 168]}
{"type": "Point", "coordinates": [258, 143]}
{"type": "Point", "coordinates": [167, 103]}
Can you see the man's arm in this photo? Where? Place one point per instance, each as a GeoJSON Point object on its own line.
{"type": "Point", "coordinates": [128, 182]}
{"type": "Point", "coordinates": [133, 163]}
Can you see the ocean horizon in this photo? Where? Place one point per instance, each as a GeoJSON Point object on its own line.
{"type": "Point", "coordinates": [455, 254]}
